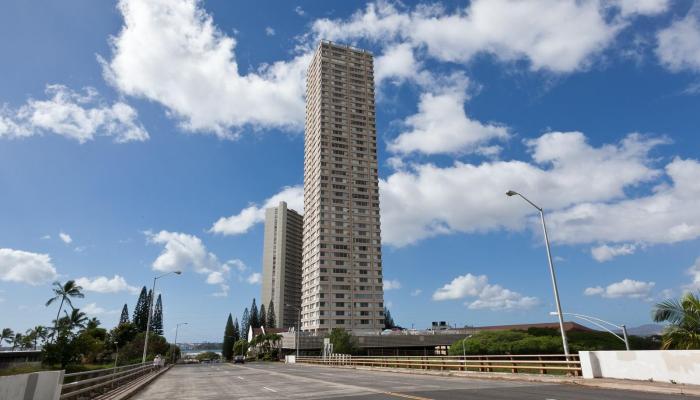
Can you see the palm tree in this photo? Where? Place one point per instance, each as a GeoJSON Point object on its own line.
{"type": "Point", "coordinates": [76, 319]}
{"type": "Point", "coordinates": [64, 292]}
{"type": "Point", "coordinates": [17, 341]}
{"type": "Point", "coordinates": [683, 332]}
{"type": "Point", "coordinates": [39, 332]}
{"type": "Point", "coordinates": [6, 335]}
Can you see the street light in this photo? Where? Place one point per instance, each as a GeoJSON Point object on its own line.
{"type": "Point", "coordinates": [297, 333]}
{"type": "Point", "coordinates": [177, 326]}
{"type": "Point", "coordinates": [564, 342]}
{"type": "Point", "coordinates": [598, 324]}
{"type": "Point", "coordinates": [150, 311]}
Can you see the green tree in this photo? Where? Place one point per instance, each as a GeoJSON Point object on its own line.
{"type": "Point", "coordinates": [254, 318]}
{"type": "Point", "coordinates": [271, 318]}
{"type": "Point", "coordinates": [125, 315]}
{"type": "Point", "coordinates": [64, 293]}
{"type": "Point", "coordinates": [141, 311]}
{"type": "Point", "coordinates": [240, 348]}
{"type": "Point", "coordinates": [17, 341]}
{"type": "Point", "coordinates": [38, 333]}
{"type": "Point", "coordinates": [262, 317]}
{"type": "Point", "coordinates": [123, 334]}
{"type": "Point", "coordinates": [6, 336]}
{"type": "Point", "coordinates": [76, 319]}
{"type": "Point", "coordinates": [683, 316]}
{"type": "Point", "coordinates": [157, 318]}
{"type": "Point", "coordinates": [236, 331]}
{"type": "Point", "coordinates": [343, 342]}
{"type": "Point", "coordinates": [388, 320]}
{"type": "Point", "coordinates": [229, 339]}
{"type": "Point", "coordinates": [245, 323]}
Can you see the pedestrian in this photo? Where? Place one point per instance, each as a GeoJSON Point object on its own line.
{"type": "Point", "coordinates": [156, 361]}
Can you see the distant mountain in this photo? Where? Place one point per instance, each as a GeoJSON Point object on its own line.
{"type": "Point", "coordinates": [646, 330]}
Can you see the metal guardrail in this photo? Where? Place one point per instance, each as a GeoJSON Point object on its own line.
{"type": "Point", "coordinates": [90, 384]}
{"type": "Point", "coordinates": [537, 363]}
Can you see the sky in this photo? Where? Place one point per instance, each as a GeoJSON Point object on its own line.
{"type": "Point", "coordinates": [139, 138]}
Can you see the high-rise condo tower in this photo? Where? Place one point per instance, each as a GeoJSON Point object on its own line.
{"type": "Point", "coordinates": [282, 264]}
{"type": "Point", "coordinates": [342, 259]}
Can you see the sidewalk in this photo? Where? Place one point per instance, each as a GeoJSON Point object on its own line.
{"type": "Point", "coordinates": [603, 383]}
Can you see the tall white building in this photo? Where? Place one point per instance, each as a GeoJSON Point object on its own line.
{"type": "Point", "coordinates": [282, 264]}
{"type": "Point", "coordinates": [342, 260]}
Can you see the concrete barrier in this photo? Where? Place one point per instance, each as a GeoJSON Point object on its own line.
{"type": "Point", "coordinates": [676, 366]}
{"type": "Point", "coordinates": [45, 385]}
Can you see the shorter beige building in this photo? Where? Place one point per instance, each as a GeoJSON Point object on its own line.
{"type": "Point", "coordinates": [282, 264]}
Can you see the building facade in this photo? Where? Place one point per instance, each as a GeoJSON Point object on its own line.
{"type": "Point", "coordinates": [342, 262]}
{"type": "Point", "coordinates": [282, 264]}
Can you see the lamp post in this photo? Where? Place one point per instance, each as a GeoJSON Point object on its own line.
{"type": "Point", "coordinates": [177, 326]}
{"type": "Point", "coordinates": [598, 322]}
{"type": "Point", "coordinates": [564, 342]}
{"type": "Point", "coordinates": [296, 336]}
{"type": "Point", "coordinates": [150, 311]}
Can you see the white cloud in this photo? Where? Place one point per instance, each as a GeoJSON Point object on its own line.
{"type": "Point", "coordinates": [391, 284]}
{"type": "Point", "coordinates": [625, 288]}
{"type": "Point", "coordinates": [65, 238]}
{"type": "Point", "coordinates": [594, 291]}
{"type": "Point", "coordinates": [269, 31]}
{"type": "Point", "coordinates": [187, 252]}
{"type": "Point", "coordinates": [555, 35]}
{"type": "Point", "coordinates": [416, 292]}
{"type": "Point", "coordinates": [77, 116]}
{"type": "Point", "coordinates": [642, 7]}
{"type": "Point", "coordinates": [46, 237]}
{"type": "Point", "coordinates": [255, 278]}
{"type": "Point", "coordinates": [170, 52]}
{"type": "Point", "coordinates": [103, 284]}
{"type": "Point", "coordinates": [488, 296]}
{"type": "Point", "coordinates": [397, 62]}
{"type": "Point", "coordinates": [668, 215]}
{"type": "Point", "coordinates": [604, 252]}
{"type": "Point", "coordinates": [26, 267]}
{"type": "Point", "coordinates": [694, 272]}
{"type": "Point", "coordinates": [248, 217]}
{"type": "Point", "coordinates": [238, 265]}
{"type": "Point", "coordinates": [299, 11]}
{"type": "Point", "coordinates": [441, 124]}
{"type": "Point", "coordinates": [420, 202]}
{"type": "Point", "coordinates": [679, 45]}
{"type": "Point", "coordinates": [94, 309]}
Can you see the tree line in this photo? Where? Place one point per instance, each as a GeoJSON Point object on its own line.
{"type": "Point", "coordinates": [236, 335]}
{"type": "Point", "coordinates": [74, 339]}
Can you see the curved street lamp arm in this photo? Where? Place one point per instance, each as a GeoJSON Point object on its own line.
{"type": "Point", "coordinates": [598, 325]}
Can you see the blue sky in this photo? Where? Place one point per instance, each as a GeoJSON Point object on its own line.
{"type": "Point", "coordinates": [138, 138]}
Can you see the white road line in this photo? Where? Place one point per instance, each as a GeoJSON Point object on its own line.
{"type": "Point", "coordinates": [267, 388]}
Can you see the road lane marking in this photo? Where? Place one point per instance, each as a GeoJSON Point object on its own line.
{"type": "Point", "coordinates": [267, 388]}
{"type": "Point", "coordinates": [338, 385]}
{"type": "Point", "coordinates": [407, 396]}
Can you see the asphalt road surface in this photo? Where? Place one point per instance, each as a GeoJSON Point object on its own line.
{"type": "Point", "coordinates": [280, 381]}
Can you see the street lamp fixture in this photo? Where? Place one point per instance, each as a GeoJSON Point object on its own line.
{"type": "Point", "coordinates": [177, 326]}
{"type": "Point", "coordinates": [598, 322]}
{"type": "Point", "coordinates": [564, 342]}
{"type": "Point", "coordinates": [150, 311]}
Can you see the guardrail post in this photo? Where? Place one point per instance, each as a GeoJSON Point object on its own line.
{"type": "Point", "coordinates": [543, 370]}
{"type": "Point", "coordinates": [513, 370]}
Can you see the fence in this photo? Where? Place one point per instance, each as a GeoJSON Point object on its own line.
{"type": "Point", "coordinates": [90, 384]}
{"type": "Point", "coordinates": [539, 363]}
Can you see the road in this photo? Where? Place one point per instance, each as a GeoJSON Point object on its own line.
{"type": "Point", "coordinates": [280, 381]}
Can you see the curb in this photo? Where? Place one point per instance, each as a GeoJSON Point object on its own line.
{"type": "Point", "coordinates": [637, 386]}
{"type": "Point", "coordinates": [139, 385]}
